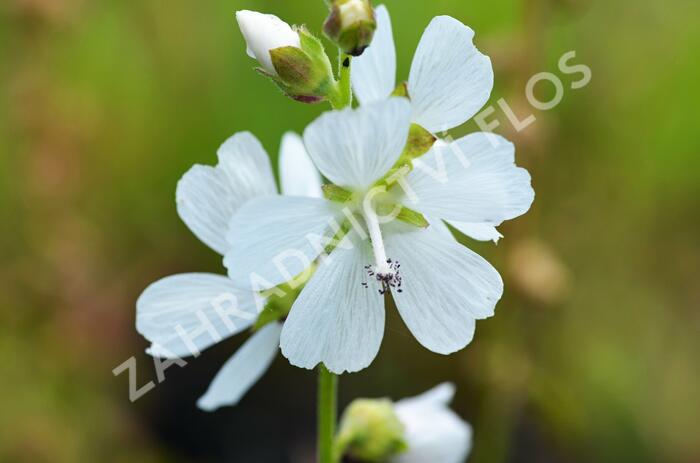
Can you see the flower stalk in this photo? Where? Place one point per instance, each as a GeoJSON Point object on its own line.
{"type": "Point", "coordinates": [327, 410]}
{"type": "Point", "coordinates": [341, 97]}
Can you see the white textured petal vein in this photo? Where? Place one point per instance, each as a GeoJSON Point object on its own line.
{"type": "Point", "coordinates": [355, 147]}
{"type": "Point", "coordinates": [276, 238]}
{"type": "Point", "coordinates": [187, 313]}
{"type": "Point", "coordinates": [207, 197]}
{"type": "Point", "coordinates": [446, 287]}
{"type": "Point", "coordinates": [336, 320]}
{"type": "Point", "coordinates": [473, 179]}
{"type": "Point", "coordinates": [450, 80]}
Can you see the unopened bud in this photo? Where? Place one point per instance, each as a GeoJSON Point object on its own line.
{"type": "Point", "coordinates": [291, 57]}
{"type": "Point", "coordinates": [264, 33]}
{"type": "Point", "coordinates": [351, 25]}
{"type": "Point", "coordinates": [371, 431]}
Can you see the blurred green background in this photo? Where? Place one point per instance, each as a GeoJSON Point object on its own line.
{"type": "Point", "coordinates": [593, 354]}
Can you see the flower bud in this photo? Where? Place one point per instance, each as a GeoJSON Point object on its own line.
{"type": "Point", "coordinates": [291, 57]}
{"type": "Point", "coordinates": [263, 33]}
{"type": "Point", "coordinates": [351, 25]}
{"type": "Point", "coordinates": [371, 431]}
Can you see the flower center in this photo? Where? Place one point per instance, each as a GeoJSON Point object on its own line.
{"type": "Point", "coordinates": [387, 280]}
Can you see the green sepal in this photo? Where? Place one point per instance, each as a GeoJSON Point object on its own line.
{"type": "Point", "coordinates": [317, 53]}
{"type": "Point", "coordinates": [392, 177]}
{"type": "Point", "coordinates": [293, 65]}
{"type": "Point", "coordinates": [412, 217]}
{"type": "Point", "coordinates": [336, 194]}
{"type": "Point", "coordinates": [286, 90]}
{"type": "Point", "coordinates": [304, 73]}
{"type": "Point", "coordinates": [419, 142]}
{"type": "Point", "coordinates": [355, 39]}
{"type": "Point", "coordinates": [401, 90]}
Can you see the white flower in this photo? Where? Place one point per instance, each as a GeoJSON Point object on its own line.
{"type": "Point", "coordinates": [433, 432]}
{"type": "Point", "coordinates": [449, 81]}
{"type": "Point", "coordinates": [265, 32]}
{"type": "Point", "coordinates": [440, 287]}
{"type": "Point", "coordinates": [178, 314]}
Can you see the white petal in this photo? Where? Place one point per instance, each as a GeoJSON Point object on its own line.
{"type": "Point", "coordinates": [445, 287]}
{"type": "Point", "coordinates": [336, 320]}
{"type": "Point", "coordinates": [437, 397]}
{"type": "Point", "coordinates": [298, 175]}
{"type": "Point", "coordinates": [265, 32]}
{"type": "Point", "coordinates": [243, 369]}
{"type": "Point", "coordinates": [478, 231]}
{"type": "Point", "coordinates": [433, 433]}
{"type": "Point", "coordinates": [440, 227]}
{"type": "Point", "coordinates": [276, 238]}
{"type": "Point", "coordinates": [450, 79]}
{"type": "Point", "coordinates": [207, 197]}
{"type": "Point", "coordinates": [473, 179]}
{"type": "Point", "coordinates": [374, 72]}
{"type": "Point", "coordinates": [355, 147]}
{"type": "Point", "coordinates": [184, 314]}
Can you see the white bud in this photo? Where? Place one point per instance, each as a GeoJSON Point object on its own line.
{"type": "Point", "coordinates": [265, 32]}
{"type": "Point", "coordinates": [354, 11]}
{"type": "Point", "coordinates": [433, 431]}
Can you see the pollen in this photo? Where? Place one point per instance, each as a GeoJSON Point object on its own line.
{"type": "Point", "coordinates": [388, 277]}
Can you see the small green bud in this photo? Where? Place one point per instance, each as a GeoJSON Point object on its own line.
{"type": "Point", "coordinates": [371, 431]}
{"type": "Point", "coordinates": [351, 25]}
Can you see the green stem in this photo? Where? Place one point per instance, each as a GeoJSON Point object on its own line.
{"type": "Point", "coordinates": [342, 95]}
{"type": "Point", "coordinates": [327, 409]}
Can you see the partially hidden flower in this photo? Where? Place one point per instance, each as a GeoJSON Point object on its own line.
{"type": "Point", "coordinates": [181, 315]}
{"type": "Point", "coordinates": [433, 431]}
{"type": "Point", "coordinates": [414, 430]}
{"type": "Point", "coordinates": [449, 82]}
{"type": "Point", "coordinates": [351, 24]}
{"type": "Point", "coordinates": [292, 58]}
{"type": "Point", "coordinates": [381, 238]}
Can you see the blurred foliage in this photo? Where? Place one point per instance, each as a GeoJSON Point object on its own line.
{"type": "Point", "coordinates": [593, 355]}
